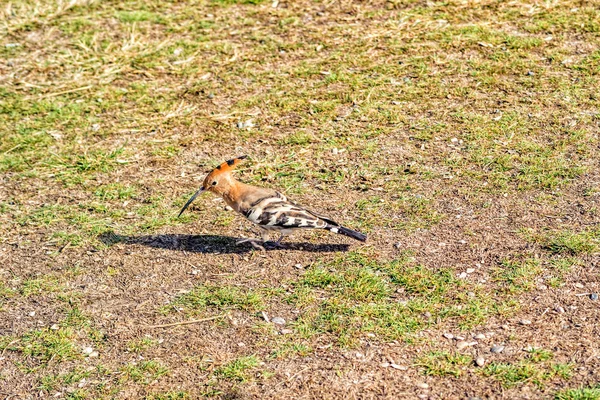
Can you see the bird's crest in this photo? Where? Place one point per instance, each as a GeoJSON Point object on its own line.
{"type": "Point", "coordinates": [224, 168]}
{"type": "Point", "coordinates": [229, 165]}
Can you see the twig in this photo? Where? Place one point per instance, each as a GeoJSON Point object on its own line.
{"type": "Point", "coordinates": [193, 321]}
{"type": "Point", "coordinates": [66, 91]}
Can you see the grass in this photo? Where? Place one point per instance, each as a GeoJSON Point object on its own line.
{"type": "Point", "coordinates": [222, 298]}
{"type": "Point", "coordinates": [138, 346]}
{"type": "Point", "coordinates": [45, 346]}
{"type": "Point", "coordinates": [238, 369]}
{"type": "Point", "coordinates": [51, 383]}
{"type": "Point", "coordinates": [537, 368]}
{"type": "Point", "coordinates": [355, 296]}
{"type": "Point", "coordinates": [589, 393]}
{"type": "Point", "coordinates": [144, 372]}
{"type": "Point", "coordinates": [571, 243]}
{"type": "Point", "coordinates": [441, 363]}
{"type": "Point", "coordinates": [454, 136]}
{"type": "Point", "coordinates": [519, 274]}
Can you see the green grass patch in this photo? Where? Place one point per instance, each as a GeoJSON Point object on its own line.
{"type": "Point", "coordinates": [584, 393]}
{"type": "Point", "coordinates": [49, 383]}
{"type": "Point", "coordinates": [40, 286]}
{"type": "Point", "coordinates": [170, 395]}
{"type": "Point", "coordinates": [443, 363]}
{"type": "Point", "coordinates": [143, 372]}
{"type": "Point", "coordinates": [221, 298]}
{"type": "Point", "coordinates": [518, 274]}
{"type": "Point", "coordinates": [141, 345]}
{"type": "Point", "coordinates": [239, 369]}
{"type": "Point", "coordinates": [115, 191]}
{"type": "Point", "coordinates": [536, 369]}
{"type": "Point", "coordinates": [45, 345]}
{"type": "Point", "coordinates": [355, 296]}
{"type": "Point", "coordinates": [573, 243]}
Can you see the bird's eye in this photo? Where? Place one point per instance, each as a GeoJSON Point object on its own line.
{"type": "Point", "coordinates": [214, 183]}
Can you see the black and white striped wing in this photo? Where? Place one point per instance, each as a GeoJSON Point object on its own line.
{"type": "Point", "coordinates": [278, 213]}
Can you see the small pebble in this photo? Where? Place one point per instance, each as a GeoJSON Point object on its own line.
{"type": "Point", "coordinates": [93, 354]}
{"type": "Point", "coordinates": [299, 266]}
{"type": "Point", "coordinates": [459, 337]}
{"type": "Point", "coordinates": [559, 309]}
{"type": "Point", "coordinates": [497, 349]}
{"type": "Point", "coordinates": [594, 296]}
{"type": "Point", "coordinates": [427, 314]}
{"type": "Point", "coordinates": [88, 350]}
{"type": "Point", "coordinates": [480, 361]}
{"type": "Point", "coordinates": [462, 275]}
{"type": "Point", "coordinates": [470, 270]}
{"type": "Point", "coordinates": [278, 320]}
{"type": "Point", "coordinates": [505, 327]}
{"type": "Point", "coordinates": [579, 285]}
{"type": "Point", "coordinates": [530, 73]}
{"type": "Point", "coordinates": [286, 331]}
{"type": "Point", "coordinates": [462, 345]}
{"type": "Point", "coordinates": [480, 336]}
{"type": "Point", "coordinates": [448, 335]}
{"type": "Point", "coordinates": [211, 95]}
{"type": "Point", "coordinates": [399, 367]}
{"type": "Point", "coordinates": [54, 327]}
{"type": "Point", "coordinates": [32, 314]}
{"type": "Point", "coordinates": [525, 322]}
{"type": "Point", "coordinates": [423, 385]}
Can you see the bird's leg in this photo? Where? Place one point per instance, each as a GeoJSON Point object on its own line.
{"type": "Point", "coordinates": [253, 242]}
{"type": "Point", "coordinates": [278, 242]}
{"type": "Point", "coordinates": [264, 236]}
{"type": "Point", "coordinates": [281, 236]}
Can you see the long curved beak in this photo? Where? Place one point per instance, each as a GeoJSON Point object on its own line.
{"type": "Point", "coordinates": [190, 201]}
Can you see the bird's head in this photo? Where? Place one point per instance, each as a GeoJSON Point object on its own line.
{"type": "Point", "coordinates": [218, 181]}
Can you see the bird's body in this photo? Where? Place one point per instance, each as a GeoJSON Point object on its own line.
{"type": "Point", "coordinates": [267, 208]}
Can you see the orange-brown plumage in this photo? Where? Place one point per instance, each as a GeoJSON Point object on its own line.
{"type": "Point", "coordinates": [265, 207]}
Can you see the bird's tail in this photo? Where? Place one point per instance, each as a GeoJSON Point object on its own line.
{"type": "Point", "coordinates": [347, 232]}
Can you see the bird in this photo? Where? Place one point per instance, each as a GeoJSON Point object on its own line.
{"type": "Point", "coordinates": [267, 208]}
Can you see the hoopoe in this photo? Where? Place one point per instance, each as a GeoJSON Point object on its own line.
{"type": "Point", "coordinates": [267, 208]}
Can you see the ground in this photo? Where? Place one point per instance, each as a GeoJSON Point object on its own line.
{"type": "Point", "coordinates": [461, 136]}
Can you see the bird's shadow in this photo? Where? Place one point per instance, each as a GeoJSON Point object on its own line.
{"type": "Point", "coordinates": [211, 244]}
